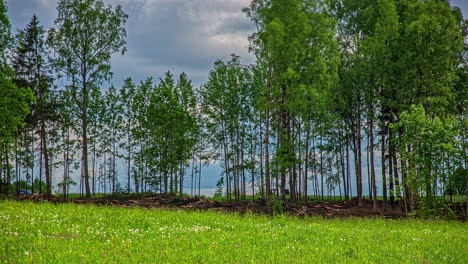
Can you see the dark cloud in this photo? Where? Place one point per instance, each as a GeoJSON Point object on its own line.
{"type": "Point", "coordinates": [186, 35]}
{"type": "Point", "coordinates": [177, 35]}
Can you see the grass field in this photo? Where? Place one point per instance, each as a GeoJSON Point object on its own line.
{"type": "Point", "coordinates": [67, 233]}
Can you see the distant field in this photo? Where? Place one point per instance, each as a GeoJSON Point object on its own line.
{"type": "Point", "coordinates": [68, 233]}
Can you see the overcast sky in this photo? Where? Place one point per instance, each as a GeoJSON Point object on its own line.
{"type": "Point", "coordinates": [176, 35]}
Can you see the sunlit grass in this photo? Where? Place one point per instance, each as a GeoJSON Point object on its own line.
{"type": "Point", "coordinates": [68, 233]}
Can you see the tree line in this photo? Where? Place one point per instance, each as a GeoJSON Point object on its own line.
{"type": "Point", "coordinates": [342, 92]}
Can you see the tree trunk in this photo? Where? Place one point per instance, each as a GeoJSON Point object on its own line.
{"type": "Point", "coordinates": [252, 161]}
{"type": "Point", "coordinates": [8, 171]}
{"type": "Point", "coordinates": [390, 172]}
{"type": "Point", "coordinates": [384, 170]}
{"type": "Point", "coordinates": [40, 165]}
{"type": "Point", "coordinates": [84, 127]}
{"type": "Point", "coordinates": [129, 156]}
{"type": "Point", "coordinates": [343, 169]}
{"type": "Point", "coordinates": [396, 174]}
{"type": "Point", "coordinates": [46, 159]}
{"type": "Point", "coordinates": [181, 180]}
{"type": "Point", "coordinates": [199, 178]}
{"type": "Point", "coordinates": [321, 164]}
{"type": "Point", "coordinates": [262, 178]}
{"type": "Point", "coordinates": [374, 185]}
{"type": "Point", "coordinates": [32, 161]}
{"type": "Point", "coordinates": [359, 160]}
{"type": "Point", "coordinates": [306, 165]}
{"type": "Point", "coordinates": [267, 156]}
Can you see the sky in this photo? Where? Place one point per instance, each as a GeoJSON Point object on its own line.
{"type": "Point", "coordinates": [176, 35]}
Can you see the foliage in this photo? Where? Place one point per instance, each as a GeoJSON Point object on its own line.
{"type": "Point", "coordinates": [434, 208]}
{"type": "Point", "coordinates": [87, 33]}
{"type": "Point", "coordinates": [295, 45]}
{"type": "Point", "coordinates": [5, 35]}
{"type": "Point", "coordinates": [228, 100]}
{"type": "Point", "coordinates": [276, 207]}
{"type": "Point", "coordinates": [13, 106]}
{"type": "Point", "coordinates": [172, 127]}
{"type": "Point", "coordinates": [457, 182]}
{"type": "Point", "coordinates": [32, 70]}
{"type": "Point", "coordinates": [425, 145]}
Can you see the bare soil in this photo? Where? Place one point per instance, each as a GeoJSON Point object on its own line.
{"type": "Point", "coordinates": [327, 209]}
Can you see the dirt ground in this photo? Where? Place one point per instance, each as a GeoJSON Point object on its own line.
{"type": "Point", "coordinates": [327, 209]}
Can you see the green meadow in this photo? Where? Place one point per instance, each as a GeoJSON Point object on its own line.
{"type": "Point", "coordinates": [68, 233]}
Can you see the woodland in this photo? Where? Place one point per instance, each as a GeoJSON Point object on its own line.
{"type": "Point", "coordinates": [336, 84]}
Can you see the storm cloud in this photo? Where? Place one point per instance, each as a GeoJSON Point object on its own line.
{"type": "Point", "coordinates": [176, 35]}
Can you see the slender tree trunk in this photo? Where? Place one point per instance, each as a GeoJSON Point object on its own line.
{"type": "Point", "coordinates": [226, 163]}
{"type": "Point", "coordinates": [40, 165]}
{"type": "Point", "coordinates": [359, 159]}
{"type": "Point", "coordinates": [373, 180]}
{"type": "Point", "coordinates": [252, 168]}
{"type": "Point", "coordinates": [84, 125]}
{"type": "Point", "coordinates": [390, 171]}
{"type": "Point", "coordinates": [396, 174]}
{"type": "Point", "coordinates": [262, 178]}
{"type": "Point", "coordinates": [348, 170]}
{"type": "Point", "coordinates": [32, 161]}
{"type": "Point", "coordinates": [17, 170]}
{"type": "Point", "coordinates": [104, 165]}
{"type": "Point", "coordinates": [93, 172]}
{"type": "Point", "coordinates": [384, 170]}
{"type": "Point", "coordinates": [114, 176]}
{"type": "Point", "coordinates": [343, 169]}
{"type": "Point", "coordinates": [267, 156]}
{"type": "Point", "coordinates": [242, 165]}
{"type": "Point", "coordinates": [322, 179]}
{"type": "Point", "coordinates": [199, 178]}
{"type": "Point", "coordinates": [8, 170]}
{"type": "Point", "coordinates": [65, 165]}
{"type": "Point", "coordinates": [369, 181]}
{"type": "Point", "coordinates": [191, 179]}
{"type": "Point", "coordinates": [181, 181]}
{"type": "Point", "coordinates": [46, 159]}
{"type": "Point", "coordinates": [129, 156]}
{"type": "Point", "coordinates": [306, 165]}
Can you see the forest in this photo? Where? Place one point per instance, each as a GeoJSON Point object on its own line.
{"type": "Point", "coordinates": [341, 92]}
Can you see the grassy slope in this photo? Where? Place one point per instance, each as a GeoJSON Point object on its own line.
{"type": "Point", "coordinates": [66, 233]}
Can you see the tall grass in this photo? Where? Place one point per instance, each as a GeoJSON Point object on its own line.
{"type": "Point", "coordinates": [68, 233]}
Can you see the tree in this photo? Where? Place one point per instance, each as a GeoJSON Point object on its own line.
{"type": "Point", "coordinates": [14, 101]}
{"type": "Point", "coordinates": [423, 59]}
{"type": "Point", "coordinates": [14, 107]}
{"type": "Point", "coordinates": [187, 127]}
{"type": "Point", "coordinates": [127, 92]}
{"type": "Point", "coordinates": [296, 45]}
{"type": "Point", "coordinates": [173, 130]}
{"type": "Point", "coordinates": [5, 34]}
{"type": "Point", "coordinates": [87, 33]}
{"type": "Point", "coordinates": [425, 145]}
{"type": "Point", "coordinates": [228, 100]}
{"type": "Point", "coordinates": [32, 71]}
